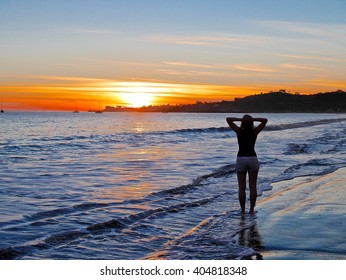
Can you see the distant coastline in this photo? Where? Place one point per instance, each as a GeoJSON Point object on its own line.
{"type": "Point", "coordinates": [271, 102]}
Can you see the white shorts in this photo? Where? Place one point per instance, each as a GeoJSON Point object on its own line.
{"type": "Point", "coordinates": [245, 164]}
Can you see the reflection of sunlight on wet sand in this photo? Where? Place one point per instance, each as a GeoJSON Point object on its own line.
{"type": "Point", "coordinates": [310, 194]}
{"type": "Point", "coordinates": [314, 207]}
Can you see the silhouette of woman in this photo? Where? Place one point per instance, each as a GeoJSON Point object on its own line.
{"type": "Point", "coordinates": [247, 161]}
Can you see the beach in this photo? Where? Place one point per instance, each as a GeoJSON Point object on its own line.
{"type": "Point", "coordinates": [124, 186]}
{"type": "Point", "coordinates": [304, 218]}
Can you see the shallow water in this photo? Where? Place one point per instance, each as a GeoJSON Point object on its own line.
{"type": "Point", "coordinates": [309, 213]}
{"type": "Point", "coordinates": [131, 186]}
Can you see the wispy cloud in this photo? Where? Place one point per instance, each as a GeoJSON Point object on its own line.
{"type": "Point", "coordinates": [121, 62]}
{"type": "Point", "coordinates": [216, 39]}
{"type": "Point", "coordinates": [60, 78]}
{"type": "Point", "coordinates": [321, 57]}
{"type": "Point", "coordinates": [253, 67]}
{"type": "Point", "coordinates": [300, 66]}
{"type": "Point", "coordinates": [224, 73]}
{"type": "Point", "coordinates": [305, 30]}
{"type": "Point", "coordinates": [190, 64]}
{"type": "Point", "coordinates": [321, 82]}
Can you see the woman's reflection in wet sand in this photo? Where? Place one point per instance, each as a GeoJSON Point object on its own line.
{"type": "Point", "coordinates": [251, 238]}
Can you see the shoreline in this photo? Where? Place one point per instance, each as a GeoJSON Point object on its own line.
{"type": "Point", "coordinates": [303, 219]}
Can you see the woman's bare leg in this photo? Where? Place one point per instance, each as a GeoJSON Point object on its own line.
{"type": "Point", "coordinates": [242, 187]}
{"type": "Point", "coordinates": [253, 190]}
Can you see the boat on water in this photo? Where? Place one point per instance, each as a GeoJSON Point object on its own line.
{"type": "Point", "coordinates": [99, 110]}
{"type": "Point", "coordinates": [75, 109]}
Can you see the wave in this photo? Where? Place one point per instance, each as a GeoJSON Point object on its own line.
{"type": "Point", "coordinates": [125, 221]}
{"type": "Point", "coordinates": [67, 210]}
{"type": "Point", "coordinates": [196, 238]}
{"type": "Point", "coordinates": [61, 138]}
{"type": "Point", "coordinates": [302, 124]}
{"type": "Point", "coordinates": [39, 218]}
{"type": "Point", "coordinates": [268, 127]}
{"type": "Point", "coordinates": [294, 149]}
{"type": "Point", "coordinates": [313, 167]}
{"type": "Point", "coordinates": [85, 142]}
{"type": "Point", "coordinates": [213, 238]}
{"type": "Point", "coordinates": [199, 130]}
{"type": "Point", "coordinates": [222, 171]}
{"type": "Point", "coordinates": [99, 228]}
{"type": "Point", "coordinates": [169, 205]}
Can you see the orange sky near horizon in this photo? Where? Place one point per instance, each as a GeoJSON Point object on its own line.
{"type": "Point", "coordinates": [83, 94]}
{"type": "Point", "coordinates": [86, 94]}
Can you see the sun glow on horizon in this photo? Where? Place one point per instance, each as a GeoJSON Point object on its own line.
{"type": "Point", "coordinates": [137, 99]}
{"type": "Point", "coordinates": [136, 94]}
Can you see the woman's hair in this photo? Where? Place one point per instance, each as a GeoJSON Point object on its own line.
{"type": "Point", "coordinates": [247, 124]}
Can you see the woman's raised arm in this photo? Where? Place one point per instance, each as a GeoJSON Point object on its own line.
{"type": "Point", "coordinates": [231, 123]}
{"type": "Point", "coordinates": [263, 122]}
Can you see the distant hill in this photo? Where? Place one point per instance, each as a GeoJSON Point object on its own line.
{"type": "Point", "coordinates": [283, 102]}
{"type": "Point", "coordinates": [272, 102]}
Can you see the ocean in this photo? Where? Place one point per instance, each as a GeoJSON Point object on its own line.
{"type": "Point", "coordinates": [144, 185]}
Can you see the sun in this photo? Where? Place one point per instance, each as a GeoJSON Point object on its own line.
{"type": "Point", "coordinates": [137, 99]}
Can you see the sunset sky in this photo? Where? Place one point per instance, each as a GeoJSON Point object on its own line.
{"type": "Point", "coordinates": [58, 55]}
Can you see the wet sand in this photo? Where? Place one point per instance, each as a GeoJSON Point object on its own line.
{"type": "Point", "coordinates": [303, 219]}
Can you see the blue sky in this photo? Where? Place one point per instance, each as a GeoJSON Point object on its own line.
{"type": "Point", "coordinates": [254, 45]}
